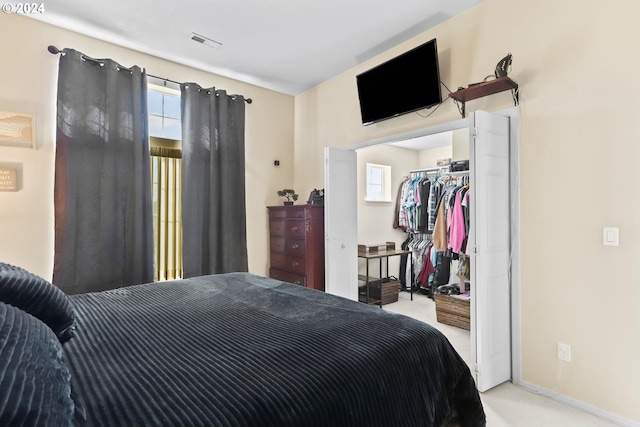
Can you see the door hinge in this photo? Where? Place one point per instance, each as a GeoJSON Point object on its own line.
{"type": "Point", "coordinates": [475, 250]}
{"type": "Point", "coordinates": [476, 369]}
{"type": "Point", "coordinates": [474, 132]}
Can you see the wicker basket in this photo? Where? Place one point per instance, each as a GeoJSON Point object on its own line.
{"type": "Point", "coordinates": [453, 310]}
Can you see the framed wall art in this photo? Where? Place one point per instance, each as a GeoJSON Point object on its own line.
{"type": "Point", "coordinates": [17, 130]}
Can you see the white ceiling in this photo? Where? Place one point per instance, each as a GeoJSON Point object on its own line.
{"type": "Point", "coordinates": [426, 142]}
{"type": "Point", "coordinates": [284, 45]}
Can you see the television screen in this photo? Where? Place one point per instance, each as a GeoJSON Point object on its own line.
{"type": "Point", "coordinates": [404, 84]}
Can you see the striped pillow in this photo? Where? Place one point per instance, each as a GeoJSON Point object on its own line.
{"type": "Point", "coordinates": [35, 382]}
{"type": "Point", "coordinates": [37, 297]}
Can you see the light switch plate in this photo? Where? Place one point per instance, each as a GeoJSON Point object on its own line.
{"type": "Point", "coordinates": [611, 236]}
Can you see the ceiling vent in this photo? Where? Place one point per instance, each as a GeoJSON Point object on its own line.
{"type": "Point", "coordinates": [205, 40]}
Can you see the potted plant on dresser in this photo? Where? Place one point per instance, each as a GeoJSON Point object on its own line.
{"type": "Point", "coordinates": [289, 194]}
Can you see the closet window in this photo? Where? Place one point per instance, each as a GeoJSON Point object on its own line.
{"type": "Point", "coordinates": [378, 183]}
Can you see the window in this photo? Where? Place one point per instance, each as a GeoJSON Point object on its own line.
{"type": "Point", "coordinates": [164, 112]}
{"type": "Point", "coordinates": [378, 183]}
{"type": "Point", "coordinates": [165, 131]}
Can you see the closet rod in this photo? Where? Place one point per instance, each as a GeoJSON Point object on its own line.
{"type": "Point", "coordinates": [443, 170]}
{"type": "Point", "coordinates": [439, 168]}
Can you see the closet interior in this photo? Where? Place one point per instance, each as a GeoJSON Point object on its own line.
{"type": "Point", "coordinates": [433, 211]}
{"type": "Point", "coordinates": [456, 225]}
{"type": "Point", "coordinates": [429, 217]}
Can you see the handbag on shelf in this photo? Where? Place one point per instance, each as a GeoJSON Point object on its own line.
{"type": "Point", "coordinates": [464, 270]}
{"type": "Point", "coordinates": [316, 197]}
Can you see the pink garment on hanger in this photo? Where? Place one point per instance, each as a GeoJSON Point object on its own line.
{"type": "Point", "coordinates": [457, 232]}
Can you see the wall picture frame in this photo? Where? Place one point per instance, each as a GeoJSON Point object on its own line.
{"type": "Point", "coordinates": [17, 129]}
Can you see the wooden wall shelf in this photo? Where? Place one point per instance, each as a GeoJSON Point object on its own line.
{"type": "Point", "coordinates": [484, 89]}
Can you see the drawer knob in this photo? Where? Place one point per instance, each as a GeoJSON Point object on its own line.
{"type": "Point", "coordinates": [294, 228]}
{"type": "Point", "coordinates": [297, 282]}
{"type": "Point", "coordinates": [295, 263]}
{"type": "Point", "coordinates": [295, 246]}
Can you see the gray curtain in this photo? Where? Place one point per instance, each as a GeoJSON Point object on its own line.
{"type": "Point", "coordinates": [103, 216]}
{"type": "Point", "coordinates": [214, 238]}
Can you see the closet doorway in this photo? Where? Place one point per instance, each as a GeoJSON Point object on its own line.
{"type": "Point", "coordinates": [509, 326]}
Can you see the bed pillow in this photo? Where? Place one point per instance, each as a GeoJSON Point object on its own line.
{"type": "Point", "coordinates": [35, 381]}
{"type": "Point", "coordinates": [37, 297]}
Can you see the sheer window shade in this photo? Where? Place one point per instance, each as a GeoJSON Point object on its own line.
{"type": "Point", "coordinates": [167, 211]}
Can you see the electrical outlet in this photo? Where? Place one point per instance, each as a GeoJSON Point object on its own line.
{"type": "Point", "coordinates": [564, 352]}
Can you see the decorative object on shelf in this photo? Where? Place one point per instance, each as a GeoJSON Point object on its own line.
{"type": "Point", "coordinates": [290, 195]}
{"type": "Point", "coordinates": [503, 67]}
{"type": "Point", "coordinates": [488, 86]}
{"type": "Point", "coordinates": [17, 130]}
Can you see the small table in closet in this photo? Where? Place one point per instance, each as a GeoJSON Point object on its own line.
{"type": "Point", "coordinates": [380, 255]}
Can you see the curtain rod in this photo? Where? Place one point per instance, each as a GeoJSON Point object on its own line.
{"type": "Point", "coordinates": [54, 50]}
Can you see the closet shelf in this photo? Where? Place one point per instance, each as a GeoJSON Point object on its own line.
{"type": "Point", "coordinates": [479, 90]}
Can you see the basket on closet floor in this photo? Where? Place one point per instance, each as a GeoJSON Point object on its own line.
{"type": "Point", "coordinates": [453, 310]}
{"type": "Point", "coordinates": [387, 291]}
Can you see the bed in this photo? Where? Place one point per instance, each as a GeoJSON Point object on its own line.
{"type": "Point", "coordinates": [223, 350]}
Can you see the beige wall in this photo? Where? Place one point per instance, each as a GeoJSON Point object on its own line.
{"type": "Point", "coordinates": [579, 150]}
{"type": "Point", "coordinates": [429, 158]}
{"type": "Point", "coordinates": [28, 77]}
{"type": "Point", "coordinates": [460, 144]}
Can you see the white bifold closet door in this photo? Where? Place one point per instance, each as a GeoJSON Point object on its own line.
{"type": "Point", "coordinates": [490, 246]}
{"type": "Point", "coordinates": [341, 223]}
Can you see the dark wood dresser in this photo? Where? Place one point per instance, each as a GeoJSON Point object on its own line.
{"type": "Point", "coordinates": [296, 236]}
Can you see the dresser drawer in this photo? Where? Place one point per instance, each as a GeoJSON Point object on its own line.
{"type": "Point", "coordinates": [287, 227]}
{"type": "Point", "coordinates": [282, 245]}
{"type": "Point", "coordinates": [287, 213]}
{"type": "Point", "coordinates": [285, 276]}
{"type": "Point", "coordinates": [294, 264]}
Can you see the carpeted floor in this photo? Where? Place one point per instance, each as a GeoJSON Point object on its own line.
{"type": "Point", "coordinates": [505, 405]}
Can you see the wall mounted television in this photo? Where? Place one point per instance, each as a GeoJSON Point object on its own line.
{"type": "Point", "coordinates": [404, 84]}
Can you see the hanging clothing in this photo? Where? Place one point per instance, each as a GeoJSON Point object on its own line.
{"type": "Point", "coordinates": [427, 269]}
{"type": "Point", "coordinates": [425, 191]}
{"type": "Point", "coordinates": [457, 232]}
{"type": "Point", "coordinates": [440, 229]}
{"type": "Point", "coordinates": [434, 211]}
{"type": "Point", "coordinates": [434, 200]}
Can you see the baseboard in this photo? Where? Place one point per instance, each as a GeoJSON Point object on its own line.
{"type": "Point", "coordinates": [584, 407]}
